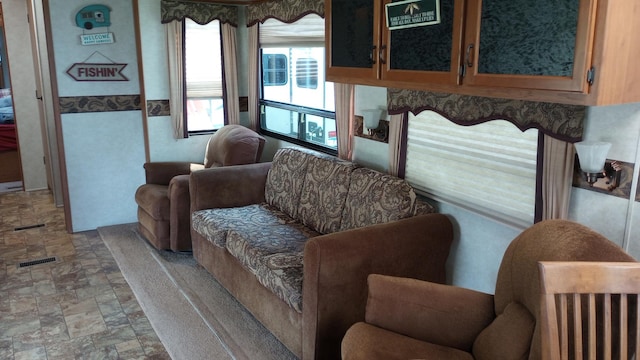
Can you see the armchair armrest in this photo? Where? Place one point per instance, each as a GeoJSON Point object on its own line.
{"type": "Point", "coordinates": [228, 186]}
{"type": "Point", "coordinates": [162, 172]}
{"type": "Point", "coordinates": [440, 314]}
{"type": "Point", "coordinates": [336, 267]}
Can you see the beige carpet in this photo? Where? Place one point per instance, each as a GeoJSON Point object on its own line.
{"type": "Point", "coordinates": [193, 315]}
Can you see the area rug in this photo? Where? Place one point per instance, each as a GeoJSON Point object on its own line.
{"type": "Point", "coordinates": [193, 315]}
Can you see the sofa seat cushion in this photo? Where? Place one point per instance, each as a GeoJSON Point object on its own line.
{"type": "Point", "coordinates": [376, 198]}
{"type": "Point", "coordinates": [274, 255]}
{"type": "Point", "coordinates": [364, 342]}
{"type": "Point", "coordinates": [154, 200]}
{"type": "Point", "coordinates": [215, 224]}
{"type": "Point", "coordinates": [324, 193]}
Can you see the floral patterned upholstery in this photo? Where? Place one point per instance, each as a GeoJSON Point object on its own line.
{"type": "Point", "coordinates": [285, 179]}
{"type": "Point", "coordinates": [215, 224]}
{"type": "Point", "coordinates": [324, 193]}
{"type": "Point", "coordinates": [376, 198]}
{"type": "Point", "coordinates": [274, 255]}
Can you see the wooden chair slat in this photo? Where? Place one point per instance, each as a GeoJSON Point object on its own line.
{"type": "Point", "coordinates": [624, 326]}
{"type": "Point", "coordinates": [590, 307]}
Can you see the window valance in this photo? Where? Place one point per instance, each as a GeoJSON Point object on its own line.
{"type": "Point", "coordinates": [308, 31]}
{"type": "Point", "coordinates": [202, 13]}
{"type": "Point", "coordinates": [563, 122]}
{"type": "Point", "coordinates": [286, 11]}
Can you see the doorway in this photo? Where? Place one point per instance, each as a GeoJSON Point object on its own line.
{"type": "Point", "coordinates": [10, 166]}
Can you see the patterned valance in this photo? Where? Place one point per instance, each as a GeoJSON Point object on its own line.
{"type": "Point", "coordinates": [287, 11]}
{"type": "Point", "coordinates": [564, 122]}
{"type": "Point", "coordinates": [200, 12]}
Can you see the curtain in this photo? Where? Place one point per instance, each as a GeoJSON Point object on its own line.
{"type": "Point", "coordinates": [397, 129]}
{"type": "Point", "coordinates": [254, 50]}
{"type": "Point", "coordinates": [230, 71]}
{"type": "Point", "coordinates": [344, 119]}
{"type": "Point", "coordinates": [175, 37]}
{"type": "Point", "coordinates": [173, 14]}
{"type": "Point", "coordinates": [557, 175]}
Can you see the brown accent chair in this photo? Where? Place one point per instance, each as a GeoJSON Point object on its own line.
{"type": "Point", "coordinates": [414, 319]}
{"type": "Point", "coordinates": [164, 201]}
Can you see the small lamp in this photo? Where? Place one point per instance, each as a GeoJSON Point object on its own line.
{"type": "Point", "coordinates": [592, 156]}
{"type": "Point", "coordinates": [371, 120]}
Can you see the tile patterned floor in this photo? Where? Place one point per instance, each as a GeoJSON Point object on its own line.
{"type": "Point", "coordinates": [79, 307]}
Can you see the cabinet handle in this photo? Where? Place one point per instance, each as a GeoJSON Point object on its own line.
{"type": "Point", "coordinates": [372, 58]}
{"type": "Point", "coordinates": [381, 54]}
{"type": "Point", "coordinates": [468, 58]}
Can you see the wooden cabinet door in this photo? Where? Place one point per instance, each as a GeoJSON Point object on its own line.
{"type": "Point", "coordinates": [425, 54]}
{"type": "Point", "coordinates": [352, 39]}
{"type": "Point", "coordinates": [542, 44]}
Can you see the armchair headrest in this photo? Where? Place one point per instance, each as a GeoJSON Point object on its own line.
{"type": "Point", "coordinates": [234, 145]}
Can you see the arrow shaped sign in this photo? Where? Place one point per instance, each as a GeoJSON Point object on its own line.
{"type": "Point", "coordinates": [97, 72]}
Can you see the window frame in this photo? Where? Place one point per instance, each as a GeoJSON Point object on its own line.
{"type": "Point", "coordinates": [185, 124]}
{"type": "Point", "coordinates": [302, 111]}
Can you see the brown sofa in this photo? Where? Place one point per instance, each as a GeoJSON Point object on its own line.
{"type": "Point", "coordinates": [163, 201]}
{"type": "Point", "coordinates": [254, 226]}
{"type": "Point", "coordinates": [413, 319]}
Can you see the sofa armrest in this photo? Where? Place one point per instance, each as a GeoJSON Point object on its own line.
{"type": "Point", "coordinates": [161, 173]}
{"type": "Point", "coordinates": [228, 186]}
{"type": "Point", "coordinates": [440, 314]}
{"type": "Point", "coordinates": [179, 213]}
{"type": "Point", "coordinates": [336, 267]}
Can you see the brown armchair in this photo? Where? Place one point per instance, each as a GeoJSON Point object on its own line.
{"type": "Point", "coordinates": [413, 319]}
{"type": "Point", "coordinates": [164, 201]}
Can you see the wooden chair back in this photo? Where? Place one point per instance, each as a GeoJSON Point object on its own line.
{"type": "Point", "coordinates": [589, 310]}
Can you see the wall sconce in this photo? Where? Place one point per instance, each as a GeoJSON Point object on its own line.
{"type": "Point", "coordinates": [371, 121]}
{"type": "Point", "coordinates": [593, 163]}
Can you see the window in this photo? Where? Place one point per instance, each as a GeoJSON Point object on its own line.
{"type": "Point", "coordinates": [296, 103]}
{"type": "Point", "coordinates": [489, 168]}
{"type": "Point", "coordinates": [204, 107]}
{"type": "Point", "coordinates": [307, 73]}
{"type": "Point", "coordinates": [275, 70]}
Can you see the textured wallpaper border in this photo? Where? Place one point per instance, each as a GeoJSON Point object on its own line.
{"type": "Point", "coordinates": [106, 103]}
{"type": "Point", "coordinates": [158, 108]}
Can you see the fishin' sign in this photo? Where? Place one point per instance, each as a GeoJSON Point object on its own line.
{"type": "Point", "coordinates": [97, 72]}
{"type": "Point", "coordinates": [412, 13]}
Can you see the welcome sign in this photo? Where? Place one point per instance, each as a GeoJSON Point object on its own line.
{"type": "Point", "coordinates": [412, 13]}
{"type": "Point", "coordinates": [97, 39]}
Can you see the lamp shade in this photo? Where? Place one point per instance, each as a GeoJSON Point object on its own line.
{"type": "Point", "coordinates": [592, 155]}
{"type": "Point", "coordinates": [371, 118]}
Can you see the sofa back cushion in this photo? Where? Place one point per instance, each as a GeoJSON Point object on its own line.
{"type": "Point", "coordinates": [324, 193]}
{"type": "Point", "coordinates": [286, 178]}
{"type": "Point", "coordinates": [376, 198]}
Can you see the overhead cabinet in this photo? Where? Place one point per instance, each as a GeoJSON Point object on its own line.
{"type": "Point", "coordinates": [571, 51]}
{"type": "Point", "coordinates": [362, 48]}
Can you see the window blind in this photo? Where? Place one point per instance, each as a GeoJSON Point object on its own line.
{"type": "Point", "coordinates": [203, 64]}
{"type": "Point", "coordinates": [306, 32]}
{"type": "Point", "coordinates": [489, 168]}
